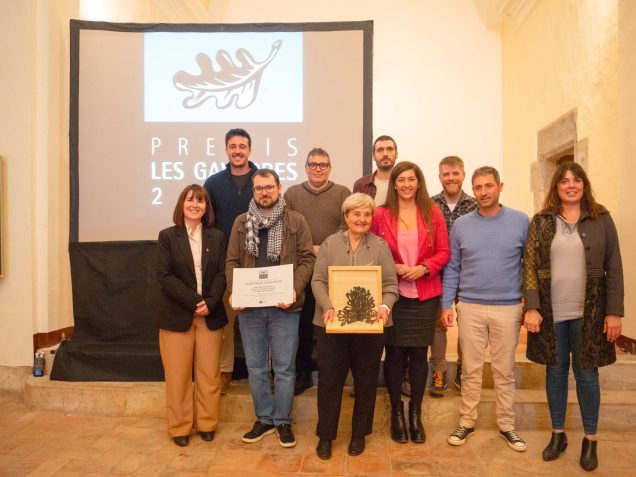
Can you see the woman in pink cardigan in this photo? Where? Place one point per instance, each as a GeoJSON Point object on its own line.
{"type": "Point", "coordinates": [415, 231]}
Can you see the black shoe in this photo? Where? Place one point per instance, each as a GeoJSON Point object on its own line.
{"type": "Point", "coordinates": [356, 446]}
{"type": "Point", "coordinates": [398, 424]}
{"type": "Point", "coordinates": [259, 430]}
{"type": "Point", "coordinates": [558, 444]}
{"type": "Point", "coordinates": [418, 436]}
{"type": "Point", "coordinates": [458, 378]}
{"type": "Point", "coordinates": [513, 440]}
{"type": "Point", "coordinates": [181, 441]}
{"type": "Point", "coordinates": [285, 435]}
{"type": "Point", "coordinates": [588, 461]}
{"type": "Point", "coordinates": [460, 435]}
{"type": "Point", "coordinates": [323, 449]}
{"type": "Point", "coordinates": [303, 382]}
{"type": "Point", "coordinates": [207, 436]}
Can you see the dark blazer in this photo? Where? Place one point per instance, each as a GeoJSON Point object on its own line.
{"type": "Point", "coordinates": [604, 293]}
{"type": "Point", "coordinates": [175, 274]}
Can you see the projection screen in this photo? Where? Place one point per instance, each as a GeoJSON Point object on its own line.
{"type": "Point", "coordinates": [151, 103]}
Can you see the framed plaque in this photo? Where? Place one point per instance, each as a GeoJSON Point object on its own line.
{"type": "Point", "coordinates": [356, 294]}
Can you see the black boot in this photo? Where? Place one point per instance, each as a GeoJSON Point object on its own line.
{"type": "Point", "coordinates": [415, 424]}
{"type": "Point", "coordinates": [558, 444]}
{"type": "Point", "coordinates": [588, 461]}
{"type": "Point", "coordinates": [398, 424]}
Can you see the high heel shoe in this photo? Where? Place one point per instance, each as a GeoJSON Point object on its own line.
{"type": "Point", "coordinates": [588, 461]}
{"type": "Point", "coordinates": [558, 444]}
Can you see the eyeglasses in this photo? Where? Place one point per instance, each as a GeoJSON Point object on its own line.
{"type": "Point", "coordinates": [314, 166]}
{"type": "Point", "coordinates": [267, 188]}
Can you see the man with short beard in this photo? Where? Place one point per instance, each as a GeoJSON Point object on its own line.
{"type": "Point", "coordinates": [230, 192]}
{"type": "Point", "coordinates": [453, 202]}
{"type": "Point", "coordinates": [377, 183]}
{"type": "Point", "coordinates": [484, 275]}
{"type": "Point", "coordinates": [267, 235]}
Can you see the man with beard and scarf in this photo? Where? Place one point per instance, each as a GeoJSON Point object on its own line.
{"type": "Point", "coordinates": [230, 192]}
{"type": "Point", "coordinates": [268, 235]}
{"type": "Point", "coordinates": [377, 183]}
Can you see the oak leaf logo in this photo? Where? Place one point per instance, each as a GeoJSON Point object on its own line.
{"type": "Point", "coordinates": [232, 82]}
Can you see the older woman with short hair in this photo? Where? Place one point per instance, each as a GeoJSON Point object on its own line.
{"type": "Point", "coordinates": [360, 353]}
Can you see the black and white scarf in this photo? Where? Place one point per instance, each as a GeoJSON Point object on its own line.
{"type": "Point", "coordinates": [256, 221]}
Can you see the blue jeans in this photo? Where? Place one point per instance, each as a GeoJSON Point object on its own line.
{"type": "Point", "coordinates": [588, 391]}
{"type": "Point", "coordinates": [266, 331]}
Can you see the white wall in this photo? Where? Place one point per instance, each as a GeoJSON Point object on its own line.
{"type": "Point", "coordinates": [436, 89]}
{"type": "Point", "coordinates": [17, 145]}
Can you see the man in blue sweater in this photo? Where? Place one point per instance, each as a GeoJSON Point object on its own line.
{"type": "Point", "coordinates": [484, 273]}
{"type": "Point", "coordinates": [230, 192]}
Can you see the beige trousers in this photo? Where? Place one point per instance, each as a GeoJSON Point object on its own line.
{"type": "Point", "coordinates": [227, 348]}
{"type": "Point", "coordinates": [480, 326]}
{"type": "Point", "coordinates": [191, 405]}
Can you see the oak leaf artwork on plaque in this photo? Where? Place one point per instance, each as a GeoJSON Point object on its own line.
{"type": "Point", "coordinates": [360, 307]}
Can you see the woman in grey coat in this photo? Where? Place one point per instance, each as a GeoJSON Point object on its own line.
{"type": "Point", "coordinates": [360, 353]}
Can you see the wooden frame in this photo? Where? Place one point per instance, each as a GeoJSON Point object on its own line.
{"type": "Point", "coordinates": [357, 287]}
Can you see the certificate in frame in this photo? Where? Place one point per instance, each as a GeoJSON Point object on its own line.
{"type": "Point", "coordinates": [356, 294]}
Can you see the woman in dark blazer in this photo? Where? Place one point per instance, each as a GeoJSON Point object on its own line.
{"type": "Point", "coordinates": [573, 283]}
{"type": "Point", "coordinates": [190, 271]}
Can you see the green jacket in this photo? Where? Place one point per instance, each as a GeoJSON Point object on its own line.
{"type": "Point", "coordinates": [603, 287]}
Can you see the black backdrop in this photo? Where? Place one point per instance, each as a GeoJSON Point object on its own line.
{"type": "Point", "coordinates": [115, 299]}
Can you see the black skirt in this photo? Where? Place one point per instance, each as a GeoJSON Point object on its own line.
{"type": "Point", "coordinates": [413, 322]}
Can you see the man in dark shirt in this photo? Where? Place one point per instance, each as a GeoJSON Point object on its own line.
{"type": "Point", "coordinates": [377, 183]}
{"type": "Point", "coordinates": [230, 192]}
{"type": "Point", "coordinates": [454, 203]}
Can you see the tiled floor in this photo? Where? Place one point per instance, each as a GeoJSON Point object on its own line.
{"type": "Point", "coordinates": [43, 443]}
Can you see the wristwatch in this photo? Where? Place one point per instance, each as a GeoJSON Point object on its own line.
{"type": "Point", "coordinates": [384, 305]}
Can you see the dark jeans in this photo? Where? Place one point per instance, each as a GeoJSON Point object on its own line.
{"type": "Point", "coordinates": [588, 391]}
{"type": "Point", "coordinates": [304, 363]}
{"type": "Point", "coordinates": [394, 362]}
{"type": "Point", "coordinates": [337, 353]}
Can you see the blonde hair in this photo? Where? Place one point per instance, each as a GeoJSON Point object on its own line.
{"type": "Point", "coordinates": [357, 200]}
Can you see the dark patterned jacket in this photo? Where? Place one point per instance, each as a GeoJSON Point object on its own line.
{"type": "Point", "coordinates": [465, 205]}
{"type": "Point", "coordinates": [603, 287]}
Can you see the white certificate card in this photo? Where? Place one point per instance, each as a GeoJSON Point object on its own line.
{"type": "Point", "coordinates": [264, 286]}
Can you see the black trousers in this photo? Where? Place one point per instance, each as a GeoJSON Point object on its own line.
{"type": "Point", "coordinates": [396, 359]}
{"type": "Point", "coordinates": [337, 353]}
{"type": "Point", "coordinates": [306, 333]}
